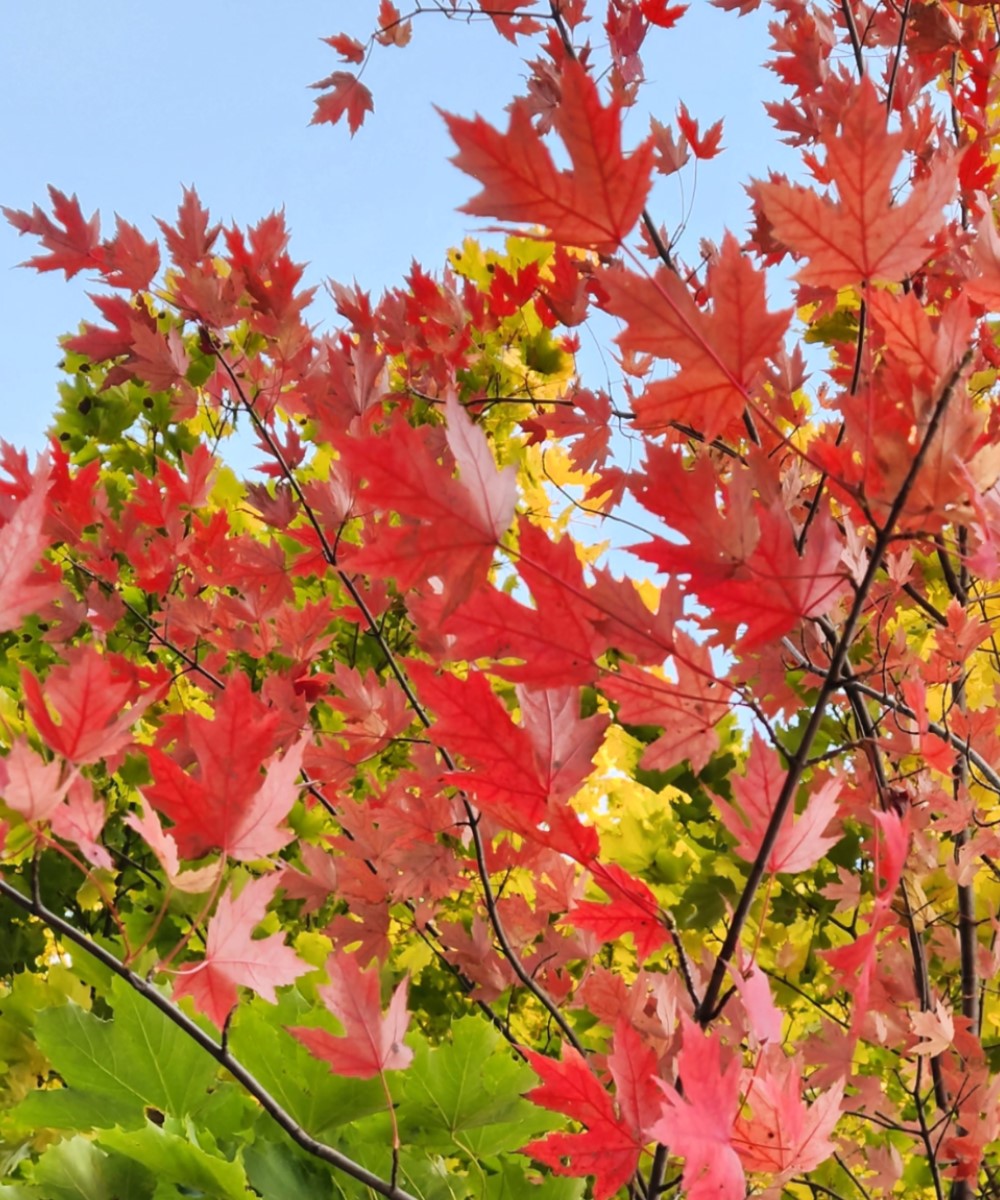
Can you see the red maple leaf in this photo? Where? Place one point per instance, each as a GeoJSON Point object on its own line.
{"type": "Point", "coordinates": [80, 819]}
{"type": "Point", "coordinates": [777, 587]}
{"type": "Point", "coordinates": [86, 708]}
{"type": "Point", "coordinates": [555, 638]}
{"type": "Point", "coordinates": [225, 803]}
{"type": "Point", "coordinates": [782, 1137]}
{"type": "Point", "coordinates": [862, 236]}
{"type": "Point", "coordinates": [372, 1043]}
{"type": "Point", "coordinates": [801, 842]}
{"type": "Point", "coordinates": [23, 589]}
{"type": "Point", "coordinates": [744, 566]}
{"type": "Point", "coordinates": [595, 203]}
{"type": "Point", "coordinates": [703, 147]}
{"type": "Point", "coordinates": [234, 958]}
{"type": "Point", "coordinates": [632, 909]}
{"type": "Point", "coordinates": [190, 240]}
{"type": "Point", "coordinates": [199, 879]}
{"type": "Point", "coordinates": [451, 526]}
{"type": "Point", "coordinates": [131, 261]}
{"type": "Point", "coordinates": [721, 353]}
{"type": "Point", "coordinates": [660, 12]}
{"type": "Point", "coordinates": [31, 786]}
{"type": "Point", "coordinates": [349, 48]}
{"type": "Point", "coordinates": [100, 343]}
{"type": "Point", "coordinates": [392, 30]}
{"type": "Point", "coordinates": [521, 774]}
{"type": "Point", "coordinates": [344, 94]}
{"type": "Point", "coordinates": [73, 248]}
{"type": "Point", "coordinates": [688, 710]}
{"type": "Point", "coordinates": [609, 1150]}
{"type": "Point", "coordinates": [504, 15]}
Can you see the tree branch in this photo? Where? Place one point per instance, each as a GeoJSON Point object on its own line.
{"type": "Point", "coordinates": [831, 682]}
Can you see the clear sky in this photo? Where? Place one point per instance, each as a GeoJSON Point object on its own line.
{"type": "Point", "coordinates": [125, 102]}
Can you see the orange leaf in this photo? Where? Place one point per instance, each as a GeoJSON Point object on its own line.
{"type": "Point", "coordinates": [595, 203]}
{"type": "Point", "coordinates": [862, 236]}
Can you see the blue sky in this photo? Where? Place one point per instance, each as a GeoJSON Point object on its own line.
{"type": "Point", "coordinates": [125, 102]}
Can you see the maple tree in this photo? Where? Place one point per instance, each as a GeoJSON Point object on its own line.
{"type": "Point", "coordinates": [364, 830]}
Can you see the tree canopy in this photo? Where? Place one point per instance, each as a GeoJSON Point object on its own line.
{"type": "Point", "coordinates": [367, 828]}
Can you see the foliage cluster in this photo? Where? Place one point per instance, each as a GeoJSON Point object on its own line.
{"type": "Point", "coordinates": [364, 832]}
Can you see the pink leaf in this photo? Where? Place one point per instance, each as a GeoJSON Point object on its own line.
{"type": "Point", "coordinates": [372, 1043]}
{"type": "Point", "coordinates": [234, 959]}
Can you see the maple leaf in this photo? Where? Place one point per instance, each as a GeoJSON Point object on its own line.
{"type": "Point", "coordinates": [81, 710]}
{"type": "Point", "coordinates": [345, 95]}
{"type": "Point", "coordinates": [503, 14]}
{"type": "Point", "coordinates": [31, 786]}
{"type": "Point", "coordinates": [609, 1149]}
{"type": "Point", "coordinates": [755, 992]}
{"type": "Point", "coordinates": [349, 48]}
{"type": "Point", "coordinates": [935, 1028]}
{"type": "Point", "coordinates": [698, 1125]}
{"type": "Point", "coordinates": [235, 959]}
{"type": "Point", "coordinates": [130, 261]}
{"type": "Point", "coordinates": [99, 343]}
{"type": "Point", "coordinates": [778, 587]}
{"type": "Point", "coordinates": [223, 803]}
{"type": "Point", "coordinates": [146, 823]}
{"type": "Point", "coordinates": [392, 30]}
{"type": "Point", "coordinates": [801, 842]}
{"type": "Point", "coordinates": [495, 625]}
{"type": "Point", "coordinates": [190, 241]}
{"type": "Point", "coordinates": [227, 805]}
{"type": "Point", "coordinates": [782, 1136]}
{"type": "Point", "coordinates": [522, 774]}
{"type": "Point", "coordinates": [671, 155]}
{"type": "Point", "coordinates": [744, 566]}
{"type": "Point", "coordinates": [721, 353]}
{"type": "Point", "coordinates": [372, 1043]}
{"type": "Point", "coordinates": [688, 710]}
{"type": "Point", "coordinates": [73, 248]}
{"type": "Point", "coordinates": [662, 13]}
{"type": "Point", "coordinates": [556, 639]}
{"type": "Point", "coordinates": [451, 527]}
{"type": "Point", "coordinates": [161, 360]}
{"type": "Point", "coordinates": [595, 203]}
{"type": "Point", "coordinates": [634, 1068]}
{"type": "Point", "coordinates": [703, 147]}
{"type": "Point", "coordinates": [633, 909]}
{"type": "Point", "coordinates": [862, 236]}
{"type": "Point", "coordinates": [24, 590]}
{"type": "Point", "coordinates": [80, 819]}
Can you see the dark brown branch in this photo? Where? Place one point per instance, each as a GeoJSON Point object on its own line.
{"type": "Point", "coordinates": [925, 1134]}
{"type": "Point", "coordinates": [657, 1172]}
{"type": "Point", "coordinates": [904, 16]}
{"type": "Point", "coordinates": [852, 33]}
